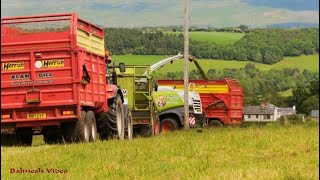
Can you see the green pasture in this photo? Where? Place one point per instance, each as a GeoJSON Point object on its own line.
{"type": "Point", "coordinates": [310, 62]}
{"type": "Point", "coordinates": [213, 37]}
{"type": "Point", "coordinates": [267, 152]}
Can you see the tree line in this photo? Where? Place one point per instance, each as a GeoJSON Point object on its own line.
{"type": "Point", "coordinates": [266, 46]}
{"type": "Point", "coordinates": [262, 86]}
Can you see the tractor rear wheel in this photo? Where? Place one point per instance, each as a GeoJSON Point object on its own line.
{"type": "Point", "coordinates": [116, 117]}
{"type": "Point", "coordinates": [169, 124]}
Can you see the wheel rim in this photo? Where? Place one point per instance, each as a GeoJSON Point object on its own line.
{"type": "Point", "coordinates": [156, 127]}
{"type": "Point", "coordinates": [130, 133]}
{"type": "Point", "coordinates": [119, 120]}
{"type": "Point", "coordinates": [86, 133]}
{"type": "Point", "coordinates": [93, 132]}
{"type": "Point", "coordinates": [166, 126]}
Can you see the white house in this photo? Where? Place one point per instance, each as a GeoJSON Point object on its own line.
{"type": "Point", "coordinates": [263, 113]}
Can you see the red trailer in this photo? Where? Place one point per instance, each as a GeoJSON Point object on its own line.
{"type": "Point", "coordinates": [222, 100]}
{"type": "Point", "coordinates": [53, 81]}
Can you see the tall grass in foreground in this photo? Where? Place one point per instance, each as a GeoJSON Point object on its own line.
{"type": "Point", "coordinates": [257, 152]}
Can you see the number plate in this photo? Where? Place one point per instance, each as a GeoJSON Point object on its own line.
{"type": "Point", "coordinates": [36, 116]}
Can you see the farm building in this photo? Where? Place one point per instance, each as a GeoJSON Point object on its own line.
{"type": "Point", "coordinates": [315, 114]}
{"type": "Point", "coordinates": [285, 111]}
{"type": "Point", "coordinates": [263, 113]}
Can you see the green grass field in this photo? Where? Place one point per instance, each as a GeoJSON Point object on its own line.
{"type": "Point", "coordinates": [268, 152]}
{"type": "Point", "coordinates": [213, 37]}
{"type": "Point", "coordinates": [310, 62]}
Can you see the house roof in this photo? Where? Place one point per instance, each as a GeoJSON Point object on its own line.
{"type": "Point", "coordinates": [315, 113]}
{"type": "Point", "coordinates": [268, 110]}
{"type": "Point", "coordinates": [287, 111]}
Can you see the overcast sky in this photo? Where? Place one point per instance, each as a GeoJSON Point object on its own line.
{"type": "Point", "coordinates": [131, 13]}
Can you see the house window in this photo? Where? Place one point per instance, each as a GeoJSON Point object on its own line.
{"type": "Point", "coordinates": [257, 116]}
{"type": "Point", "coordinates": [266, 116]}
{"type": "Point", "coordinates": [249, 116]}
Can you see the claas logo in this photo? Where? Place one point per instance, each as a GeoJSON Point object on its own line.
{"type": "Point", "coordinates": [57, 63]}
{"type": "Point", "coordinates": [13, 66]}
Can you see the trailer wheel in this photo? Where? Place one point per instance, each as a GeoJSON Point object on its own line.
{"type": "Point", "coordinates": [9, 140]}
{"type": "Point", "coordinates": [24, 136]}
{"type": "Point", "coordinates": [51, 135]}
{"type": "Point", "coordinates": [215, 124]}
{"type": "Point", "coordinates": [129, 129]}
{"type": "Point", "coordinates": [169, 124]}
{"type": "Point", "coordinates": [81, 132]}
{"type": "Point", "coordinates": [116, 117]}
{"type": "Point", "coordinates": [90, 118]}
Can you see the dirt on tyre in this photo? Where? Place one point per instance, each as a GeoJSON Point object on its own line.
{"type": "Point", "coordinates": [169, 124]}
{"type": "Point", "coordinates": [129, 126]}
{"type": "Point", "coordinates": [116, 117]}
{"type": "Point", "coordinates": [81, 131]}
{"type": "Point", "coordinates": [91, 120]}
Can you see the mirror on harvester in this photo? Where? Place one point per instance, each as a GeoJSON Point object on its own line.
{"type": "Point", "coordinates": [156, 87]}
{"type": "Point", "coordinates": [122, 67]}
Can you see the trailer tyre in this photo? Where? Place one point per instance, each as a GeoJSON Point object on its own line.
{"type": "Point", "coordinates": [81, 131]}
{"type": "Point", "coordinates": [24, 136]}
{"type": "Point", "coordinates": [214, 124]}
{"type": "Point", "coordinates": [51, 135]}
{"type": "Point", "coordinates": [90, 118]}
{"type": "Point", "coordinates": [129, 129]}
{"type": "Point", "coordinates": [9, 140]}
{"type": "Point", "coordinates": [169, 124]}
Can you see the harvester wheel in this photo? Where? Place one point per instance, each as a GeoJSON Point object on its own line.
{"type": "Point", "coordinates": [116, 117]}
{"type": "Point", "coordinates": [92, 126]}
{"type": "Point", "coordinates": [155, 122]}
{"type": "Point", "coordinates": [169, 124]}
{"type": "Point", "coordinates": [129, 129]}
{"type": "Point", "coordinates": [214, 124]}
{"type": "Point", "coordinates": [81, 132]}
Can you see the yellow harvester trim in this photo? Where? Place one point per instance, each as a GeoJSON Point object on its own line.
{"type": "Point", "coordinates": [91, 42]}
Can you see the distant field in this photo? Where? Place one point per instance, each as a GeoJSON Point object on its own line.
{"type": "Point", "coordinates": [310, 62]}
{"type": "Point", "coordinates": [217, 37]}
{"type": "Point", "coordinates": [267, 152]}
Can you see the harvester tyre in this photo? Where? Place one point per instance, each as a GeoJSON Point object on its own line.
{"type": "Point", "coordinates": [169, 124]}
{"type": "Point", "coordinates": [129, 128]}
{"type": "Point", "coordinates": [116, 117]}
{"type": "Point", "coordinates": [155, 122]}
{"type": "Point", "coordinates": [81, 132]}
{"type": "Point", "coordinates": [90, 118]}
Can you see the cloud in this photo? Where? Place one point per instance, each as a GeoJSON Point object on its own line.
{"type": "Point", "coordinates": [298, 5]}
{"type": "Point", "coordinates": [130, 13]}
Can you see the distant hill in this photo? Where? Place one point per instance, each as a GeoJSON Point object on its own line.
{"type": "Point", "coordinates": [293, 25]}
